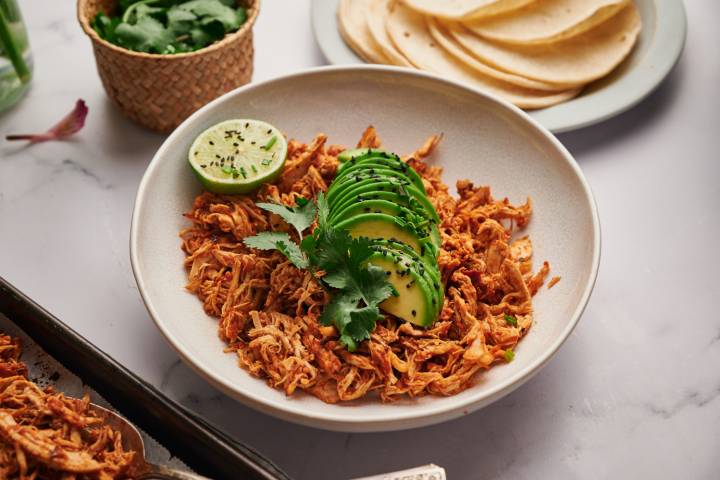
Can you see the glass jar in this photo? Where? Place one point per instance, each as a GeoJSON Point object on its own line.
{"type": "Point", "coordinates": [15, 56]}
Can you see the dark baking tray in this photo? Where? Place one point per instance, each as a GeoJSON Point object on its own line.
{"type": "Point", "coordinates": [201, 446]}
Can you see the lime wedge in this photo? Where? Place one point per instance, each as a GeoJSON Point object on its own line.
{"type": "Point", "coordinates": [237, 156]}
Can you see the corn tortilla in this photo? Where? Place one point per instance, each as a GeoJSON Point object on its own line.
{"type": "Point", "coordinates": [546, 21]}
{"type": "Point", "coordinates": [354, 30]}
{"type": "Point", "coordinates": [447, 42]}
{"type": "Point", "coordinates": [410, 35]}
{"type": "Point", "coordinates": [580, 59]}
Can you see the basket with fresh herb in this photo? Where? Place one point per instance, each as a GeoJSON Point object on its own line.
{"type": "Point", "coordinates": [160, 60]}
{"type": "Point", "coordinates": [169, 26]}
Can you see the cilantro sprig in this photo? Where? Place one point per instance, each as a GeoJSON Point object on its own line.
{"type": "Point", "coordinates": [169, 26]}
{"type": "Point", "coordinates": [357, 287]}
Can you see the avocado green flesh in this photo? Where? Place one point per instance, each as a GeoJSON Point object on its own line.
{"type": "Point", "coordinates": [414, 302]}
{"type": "Point", "coordinates": [366, 206]}
{"type": "Point", "coordinates": [379, 172]}
{"type": "Point", "coordinates": [379, 226]}
{"type": "Point", "coordinates": [406, 258]}
{"type": "Point", "coordinates": [338, 190]}
{"type": "Point", "coordinates": [414, 200]}
{"type": "Point", "coordinates": [370, 189]}
{"type": "Point", "coordinates": [362, 153]}
{"type": "Point", "coordinates": [373, 166]}
{"type": "Point", "coordinates": [339, 186]}
{"type": "Point", "coordinates": [377, 196]}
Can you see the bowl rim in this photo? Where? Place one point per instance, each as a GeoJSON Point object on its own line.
{"type": "Point", "coordinates": [389, 420]}
{"type": "Point", "coordinates": [84, 21]}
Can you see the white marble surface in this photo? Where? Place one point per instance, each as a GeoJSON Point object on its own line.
{"type": "Point", "coordinates": [634, 393]}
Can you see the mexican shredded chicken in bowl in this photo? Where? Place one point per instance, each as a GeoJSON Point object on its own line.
{"type": "Point", "coordinates": [269, 309]}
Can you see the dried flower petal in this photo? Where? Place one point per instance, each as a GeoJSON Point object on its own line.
{"type": "Point", "coordinates": [69, 125]}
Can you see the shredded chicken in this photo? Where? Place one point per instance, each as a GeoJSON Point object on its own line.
{"type": "Point", "coordinates": [45, 435]}
{"type": "Point", "coordinates": [268, 309]}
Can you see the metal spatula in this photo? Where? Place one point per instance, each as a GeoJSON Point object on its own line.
{"type": "Point", "coordinates": [132, 440]}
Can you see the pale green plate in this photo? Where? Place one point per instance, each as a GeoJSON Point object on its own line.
{"type": "Point", "coordinates": [658, 50]}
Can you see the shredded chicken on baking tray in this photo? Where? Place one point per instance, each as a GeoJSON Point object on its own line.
{"type": "Point", "coordinates": [268, 309]}
{"type": "Point", "coordinates": [45, 435]}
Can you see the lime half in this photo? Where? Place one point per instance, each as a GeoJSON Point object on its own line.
{"type": "Point", "coordinates": [237, 156]}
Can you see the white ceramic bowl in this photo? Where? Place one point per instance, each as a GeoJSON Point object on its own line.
{"type": "Point", "coordinates": [485, 139]}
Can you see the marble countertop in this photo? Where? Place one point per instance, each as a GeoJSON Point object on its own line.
{"type": "Point", "coordinates": [635, 391]}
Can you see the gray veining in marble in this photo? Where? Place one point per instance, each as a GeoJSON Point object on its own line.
{"type": "Point", "coordinates": [634, 393]}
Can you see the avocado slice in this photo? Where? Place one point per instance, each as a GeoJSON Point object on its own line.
{"type": "Point", "coordinates": [414, 302]}
{"type": "Point", "coordinates": [355, 154]}
{"type": "Point", "coordinates": [407, 196]}
{"type": "Point", "coordinates": [339, 184]}
{"type": "Point", "coordinates": [429, 263]}
{"type": "Point", "coordinates": [338, 191]}
{"type": "Point", "coordinates": [382, 165]}
{"type": "Point", "coordinates": [426, 266]}
{"type": "Point", "coordinates": [388, 208]}
{"type": "Point", "coordinates": [381, 226]}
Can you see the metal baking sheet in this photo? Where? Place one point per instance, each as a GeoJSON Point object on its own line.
{"type": "Point", "coordinates": [45, 370]}
{"type": "Point", "coordinates": [203, 447]}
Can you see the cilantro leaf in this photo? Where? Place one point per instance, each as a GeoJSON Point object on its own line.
{"type": "Point", "coordinates": [213, 10]}
{"type": "Point", "coordinates": [300, 217]}
{"type": "Point", "coordinates": [170, 26]}
{"type": "Point", "coordinates": [361, 286]}
{"type": "Point", "coordinates": [511, 320]}
{"type": "Point", "coordinates": [147, 35]}
{"type": "Point", "coordinates": [278, 241]}
{"type": "Point", "coordinates": [180, 21]}
{"type": "Point", "coordinates": [358, 287]}
{"type": "Point", "coordinates": [105, 26]}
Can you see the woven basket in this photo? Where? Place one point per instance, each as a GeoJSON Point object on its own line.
{"type": "Point", "coordinates": [160, 91]}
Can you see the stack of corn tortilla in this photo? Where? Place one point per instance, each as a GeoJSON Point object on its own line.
{"type": "Point", "coordinates": [533, 53]}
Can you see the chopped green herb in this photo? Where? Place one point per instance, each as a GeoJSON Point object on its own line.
{"type": "Point", "coordinates": [266, 162]}
{"type": "Point", "coordinates": [227, 169]}
{"type": "Point", "coordinates": [511, 320]}
{"type": "Point", "coordinates": [509, 355]}
{"type": "Point", "coordinates": [270, 143]}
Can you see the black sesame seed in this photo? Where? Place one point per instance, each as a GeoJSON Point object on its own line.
{"type": "Point", "coordinates": [211, 142]}
{"type": "Point", "coordinates": [414, 313]}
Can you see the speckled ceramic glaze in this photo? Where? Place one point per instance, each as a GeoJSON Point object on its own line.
{"type": "Point", "coordinates": [485, 140]}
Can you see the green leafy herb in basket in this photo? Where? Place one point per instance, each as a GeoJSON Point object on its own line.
{"type": "Point", "coordinates": [169, 26]}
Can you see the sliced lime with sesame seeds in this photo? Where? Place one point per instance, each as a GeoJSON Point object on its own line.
{"type": "Point", "coordinates": [237, 156]}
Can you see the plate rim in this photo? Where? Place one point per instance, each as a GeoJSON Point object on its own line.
{"type": "Point", "coordinates": [659, 61]}
{"type": "Point", "coordinates": [390, 420]}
